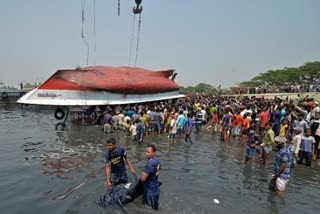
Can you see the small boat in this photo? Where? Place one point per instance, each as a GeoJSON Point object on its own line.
{"type": "Point", "coordinates": [9, 94]}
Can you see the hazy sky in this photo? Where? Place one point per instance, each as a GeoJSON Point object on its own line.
{"type": "Point", "coordinates": [216, 42]}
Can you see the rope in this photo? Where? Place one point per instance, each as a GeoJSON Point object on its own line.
{"type": "Point", "coordinates": [138, 37]}
{"type": "Point", "coordinates": [83, 5]}
{"type": "Point", "coordinates": [118, 7]}
{"type": "Point", "coordinates": [94, 31]}
{"type": "Point", "coordinates": [130, 53]}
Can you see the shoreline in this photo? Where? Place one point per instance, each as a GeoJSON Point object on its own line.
{"type": "Point", "coordinates": [315, 95]}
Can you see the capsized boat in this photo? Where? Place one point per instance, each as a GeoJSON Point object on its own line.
{"type": "Point", "coordinates": [104, 85]}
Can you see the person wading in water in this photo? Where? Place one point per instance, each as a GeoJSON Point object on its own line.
{"type": "Point", "coordinates": [115, 157]}
{"type": "Point", "coordinates": [149, 178]}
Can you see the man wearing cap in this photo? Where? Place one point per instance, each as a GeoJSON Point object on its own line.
{"type": "Point", "coordinates": [281, 170]}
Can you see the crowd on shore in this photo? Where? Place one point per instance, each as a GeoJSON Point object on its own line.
{"type": "Point", "coordinates": [288, 127]}
{"type": "Point", "coordinates": [277, 89]}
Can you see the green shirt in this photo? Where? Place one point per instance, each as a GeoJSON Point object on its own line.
{"type": "Point", "coordinates": [269, 138]}
{"type": "Point", "coordinates": [213, 109]}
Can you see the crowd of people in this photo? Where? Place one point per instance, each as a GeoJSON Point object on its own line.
{"type": "Point", "coordinates": [277, 89]}
{"type": "Point", "coordinates": [288, 127]}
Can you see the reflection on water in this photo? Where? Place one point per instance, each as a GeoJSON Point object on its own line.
{"type": "Point", "coordinates": [63, 172]}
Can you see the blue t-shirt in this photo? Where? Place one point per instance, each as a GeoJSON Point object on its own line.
{"type": "Point", "coordinates": [189, 124]}
{"type": "Point", "coordinates": [130, 113]}
{"type": "Point", "coordinates": [151, 115]}
{"type": "Point", "coordinates": [226, 120]}
{"type": "Point", "coordinates": [180, 121]}
{"type": "Point", "coordinates": [283, 156]}
{"type": "Point", "coordinates": [277, 117]}
{"type": "Point", "coordinates": [140, 130]}
{"type": "Point", "coordinates": [152, 169]}
{"type": "Point", "coordinates": [306, 143]}
{"type": "Point", "coordinates": [116, 159]}
{"type": "Point", "coordinates": [108, 119]}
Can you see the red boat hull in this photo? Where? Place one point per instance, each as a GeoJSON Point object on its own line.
{"type": "Point", "coordinates": [125, 80]}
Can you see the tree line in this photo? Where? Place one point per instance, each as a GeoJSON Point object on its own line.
{"type": "Point", "coordinates": [307, 74]}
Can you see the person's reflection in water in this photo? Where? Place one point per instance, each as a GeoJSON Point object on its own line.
{"type": "Point", "coordinates": [275, 204]}
{"type": "Point", "coordinates": [247, 172]}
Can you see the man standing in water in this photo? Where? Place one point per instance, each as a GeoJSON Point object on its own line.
{"type": "Point", "coordinates": [180, 123]}
{"type": "Point", "coordinates": [251, 144]}
{"type": "Point", "coordinates": [115, 157]}
{"type": "Point", "coordinates": [281, 170]}
{"type": "Point", "coordinates": [189, 128]}
{"type": "Point", "coordinates": [149, 178]}
{"type": "Point", "coordinates": [268, 140]}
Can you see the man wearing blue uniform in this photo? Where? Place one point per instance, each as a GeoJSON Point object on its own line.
{"type": "Point", "coordinates": [281, 170]}
{"type": "Point", "coordinates": [115, 167]}
{"type": "Point", "coordinates": [149, 178]}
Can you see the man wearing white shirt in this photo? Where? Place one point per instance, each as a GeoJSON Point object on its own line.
{"type": "Point", "coordinates": [295, 144]}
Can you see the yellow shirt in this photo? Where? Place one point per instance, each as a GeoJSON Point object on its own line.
{"type": "Point", "coordinates": [283, 130]}
{"type": "Point", "coordinates": [147, 119]}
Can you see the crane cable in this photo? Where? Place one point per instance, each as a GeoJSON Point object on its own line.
{"type": "Point", "coordinates": [130, 52]}
{"type": "Point", "coordinates": [94, 31]}
{"type": "Point", "coordinates": [118, 7]}
{"type": "Point", "coordinates": [138, 38]}
{"type": "Point", "coordinates": [83, 5]}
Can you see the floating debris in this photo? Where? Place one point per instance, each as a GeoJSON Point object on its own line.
{"type": "Point", "coordinates": [216, 201]}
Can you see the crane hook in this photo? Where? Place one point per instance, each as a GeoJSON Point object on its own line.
{"type": "Point", "coordinates": [137, 9]}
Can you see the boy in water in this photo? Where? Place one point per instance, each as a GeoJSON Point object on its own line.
{"type": "Point", "coordinates": [307, 147]}
{"type": "Point", "coordinates": [189, 128]}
